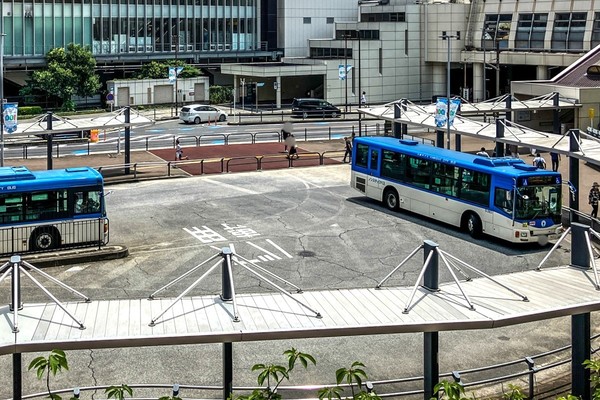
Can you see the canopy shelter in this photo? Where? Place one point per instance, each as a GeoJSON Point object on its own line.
{"type": "Point", "coordinates": [499, 130]}
{"type": "Point", "coordinates": [114, 120]}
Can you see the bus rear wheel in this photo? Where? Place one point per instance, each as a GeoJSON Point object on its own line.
{"type": "Point", "coordinates": [474, 226]}
{"type": "Point", "coordinates": [44, 239]}
{"type": "Point", "coordinates": [390, 199]}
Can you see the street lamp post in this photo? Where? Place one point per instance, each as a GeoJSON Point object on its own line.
{"type": "Point", "coordinates": [176, 37]}
{"type": "Point", "coordinates": [484, 38]}
{"type": "Point", "coordinates": [359, 88]}
{"type": "Point", "coordinates": [1, 93]}
{"type": "Point", "coordinates": [447, 37]}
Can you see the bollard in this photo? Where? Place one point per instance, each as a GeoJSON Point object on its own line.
{"type": "Point", "coordinates": [227, 292]}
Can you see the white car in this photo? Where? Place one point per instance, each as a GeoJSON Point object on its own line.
{"type": "Point", "coordinates": [198, 113]}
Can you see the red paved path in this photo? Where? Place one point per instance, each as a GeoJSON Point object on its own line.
{"type": "Point", "coordinates": [243, 157]}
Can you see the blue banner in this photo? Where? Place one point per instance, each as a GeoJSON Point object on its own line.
{"type": "Point", "coordinates": [9, 115]}
{"type": "Point", "coordinates": [343, 73]}
{"type": "Point", "coordinates": [173, 73]}
{"type": "Point", "coordinates": [441, 111]}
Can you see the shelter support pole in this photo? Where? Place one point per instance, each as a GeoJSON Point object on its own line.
{"type": "Point", "coordinates": [397, 126]}
{"type": "Point", "coordinates": [49, 141]}
{"type": "Point", "coordinates": [574, 173]}
{"type": "Point", "coordinates": [439, 138]}
{"type": "Point", "coordinates": [127, 139]}
{"type": "Point", "coordinates": [227, 370]}
{"type": "Point", "coordinates": [431, 367]}
{"type": "Point", "coordinates": [499, 134]}
{"type": "Point", "coordinates": [580, 323]}
{"type": "Point", "coordinates": [17, 374]}
{"type": "Point", "coordinates": [457, 142]}
{"type": "Point", "coordinates": [404, 127]}
{"type": "Point", "coordinates": [226, 289]}
{"type": "Point", "coordinates": [556, 114]}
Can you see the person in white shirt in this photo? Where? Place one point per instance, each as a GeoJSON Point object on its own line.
{"type": "Point", "coordinates": [483, 153]}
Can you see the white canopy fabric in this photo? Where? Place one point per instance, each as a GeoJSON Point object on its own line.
{"type": "Point", "coordinates": [514, 134]}
{"type": "Point", "coordinates": [113, 120]}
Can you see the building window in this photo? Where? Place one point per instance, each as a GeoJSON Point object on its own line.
{"type": "Point", "coordinates": [596, 30]}
{"type": "Point", "coordinates": [383, 17]}
{"type": "Point", "coordinates": [380, 61]}
{"type": "Point", "coordinates": [330, 53]}
{"type": "Point", "coordinates": [496, 31]}
{"type": "Point", "coordinates": [568, 31]}
{"type": "Point", "coordinates": [365, 34]}
{"type": "Point", "coordinates": [330, 20]}
{"type": "Point", "coordinates": [531, 31]}
{"type": "Point", "coordinates": [306, 20]}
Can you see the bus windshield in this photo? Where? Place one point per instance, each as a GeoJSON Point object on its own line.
{"type": "Point", "coordinates": [537, 202]}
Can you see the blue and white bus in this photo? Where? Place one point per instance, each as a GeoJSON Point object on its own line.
{"type": "Point", "coordinates": [501, 197]}
{"type": "Point", "coordinates": [44, 210]}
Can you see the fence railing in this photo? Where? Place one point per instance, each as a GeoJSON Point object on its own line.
{"type": "Point", "coordinates": [525, 372]}
{"type": "Point", "coordinates": [47, 236]}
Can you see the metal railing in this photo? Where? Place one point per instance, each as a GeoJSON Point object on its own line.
{"type": "Point", "coordinates": [523, 371]}
{"type": "Point", "coordinates": [50, 236]}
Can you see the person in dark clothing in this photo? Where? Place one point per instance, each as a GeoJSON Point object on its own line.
{"type": "Point", "coordinates": [286, 131]}
{"type": "Point", "coordinates": [593, 199]}
{"type": "Point", "coordinates": [348, 147]}
{"type": "Point", "coordinates": [555, 157]}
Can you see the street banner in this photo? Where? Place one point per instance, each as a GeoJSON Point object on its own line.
{"type": "Point", "coordinates": [441, 110]}
{"type": "Point", "coordinates": [9, 115]}
{"type": "Point", "coordinates": [343, 73]}
{"type": "Point", "coordinates": [173, 73]}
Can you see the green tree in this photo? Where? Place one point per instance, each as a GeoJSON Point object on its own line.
{"type": "Point", "coordinates": [220, 94]}
{"type": "Point", "coordinates": [55, 362]}
{"type": "Point", "coordinates": [160, 70]}
{"type": "Point", "coordinates": [68, 72]}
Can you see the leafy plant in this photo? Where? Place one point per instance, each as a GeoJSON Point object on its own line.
{"type": "Point", "coordinates": [118, 392]}
{"type": "Point", "coordinates": [170, 398]}
{"type": "Point", "coordinates": [352, 376]}
{"type": "Point", "coordinates": [515, 393]}
{"type": "Point", "coordinates": [220, 94]}
{"type": "Point", "coordinates": [449, 390]}
{"type": "Point", "coordinates": [274, 374]}
{"type": "Point", "coordinates": [568, 397]}
{"type": "Point", "coordinates": [594, 367]}
{"type": "Point", "coordinates": [55, 362]}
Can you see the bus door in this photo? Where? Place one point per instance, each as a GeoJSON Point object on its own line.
{"type": "Point", "coordinates": [375, 184]}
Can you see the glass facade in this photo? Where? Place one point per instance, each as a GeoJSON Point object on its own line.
{"type": "Point", "coordinates": [531, 31]}
{"type": "Point", "coordinates": [496, 31]}
{"type": "Point", "coordinates": [596, 30]}
{"type": "Point", "coordinates": [568, 32]}
{"type": "Point", "coordinates": [34, 27]}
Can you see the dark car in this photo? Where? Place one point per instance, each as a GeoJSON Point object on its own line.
{"type": "Point", "coordinates": [314, 108]}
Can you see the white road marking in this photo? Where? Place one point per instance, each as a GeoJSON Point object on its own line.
{"type": "Point", "coordinates": [232, 187]}
{"type": "Point", "coordinates": [275, 256]}
{"type": "Point", "coordinates": [285, 253]}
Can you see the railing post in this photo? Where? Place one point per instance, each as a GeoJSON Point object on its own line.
{"type": "Point", "coordinates": [532, 370]}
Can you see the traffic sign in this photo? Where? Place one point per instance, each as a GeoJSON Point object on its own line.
{"type": "Point", "coordinates": [110, 98]}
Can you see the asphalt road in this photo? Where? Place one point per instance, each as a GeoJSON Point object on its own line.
{"type": "Point", "coordinates": [325, 236]}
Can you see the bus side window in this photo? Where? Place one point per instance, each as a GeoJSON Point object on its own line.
{"type": "Point", "coordinates": [362, 154]}
{"type": "Point", "coordinates": [374, 159]}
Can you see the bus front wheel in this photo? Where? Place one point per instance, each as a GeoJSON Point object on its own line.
{"type": "Point", "coordinates": [44, 239]}
{"type": "Point", "coordinates": [390, 199]}
{"type": "Point", "coordinates": [474, 226]}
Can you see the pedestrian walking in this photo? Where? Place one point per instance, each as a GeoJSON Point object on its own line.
{"type": "Point", "coordinates": [348, 147]}
{"type": "Point", "coordinates": [290, 143]}
{"type": "Point", "coordinates": [363, 99]}
{"type": "Point", "coordinates": [539, 161]}
{"type": "Point", "coordinates": [483, 153]}
{"type": "Point", "coordinates": [286, 131]}
{"type": "Point", "coordinates": [593, 199]}
{"type": "Point", "coordinates": [555, 157]}
{"type": "Point", "coordinates": [179, 152]}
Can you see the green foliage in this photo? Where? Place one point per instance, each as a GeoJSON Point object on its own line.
{"type": "Point", "coordinates": [54, 363]}
{"type": "Point", "coordinates": [69, 72]}
{"type": "Point", "coordinates": [220, 94]}
{"type": "Point", "coordinates": [352, 376]}
{"type": "Point", "coordinates": [118, 392]}
{"type": "Point", "coordinates": [515, 393]}
{"type": "Point", "coordinates": [568, 397]}
{"type": "Point", "coordinates": [274, 374]}
{"type": "Point", "coordinates": [594, 367]}
{"type": "Point", "coordinates": [160, 70]}
{"type": "Point", "coordinates": [30, 110]}
{"type": "Point", "coordinates": [449, 390]}
{"type": "Point", "coordinates": [169, 398]}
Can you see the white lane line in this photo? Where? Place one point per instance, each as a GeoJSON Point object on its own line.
{"type": "Point", "coordinates": [285, 253]}
{"type": "Point", "coordinates": [275, 256]}
{"type": "Point", "coordinates": [232, 187]}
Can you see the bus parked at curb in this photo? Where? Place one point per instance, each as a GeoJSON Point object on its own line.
{"type": "Point", "coordinates": [47, 210]}
{"type": "Point", "coordinates": [502, 196]}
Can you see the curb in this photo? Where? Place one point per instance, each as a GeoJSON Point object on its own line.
{"type": "Point", "coordinates": [75, 256]}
